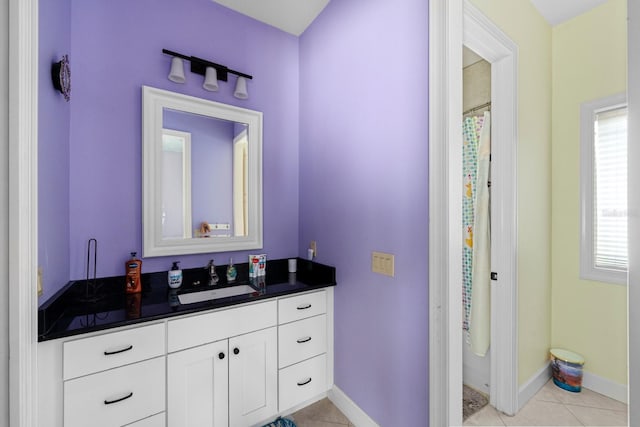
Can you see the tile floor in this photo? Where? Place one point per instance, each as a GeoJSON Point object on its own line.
{"type": "Point", "coordinates": [552, 406]}
{"type": "Point", "coordinates": [323, 413]}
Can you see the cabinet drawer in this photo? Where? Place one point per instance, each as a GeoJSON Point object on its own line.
{"type": "Point", "coordinates": [302, 340]}
{"type": "Point", "coordinates": [116, 397]}
{"type": "Point", "coordinates": [89, 355]}
{"type": "Point", "coordinates": [302, 306]}
{"type": "Point", "coordinates": [205, 328]}
{"type": "Point", "coordinates": [158, 420]}
{"type": "Point", "coordinates": [302, 381]}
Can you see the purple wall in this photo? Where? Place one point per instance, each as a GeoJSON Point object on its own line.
{"type": "Point", "coordinates": [113, 54]}
{"type": "Point", "coordinates": [364, 187]}
{"type": "Point", "coordinates": [53, 149]}
{"type": "Point", "coordinates": [356, 99]}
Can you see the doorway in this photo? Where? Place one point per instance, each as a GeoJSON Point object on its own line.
{"type": "Point", "coordinates": [489, 42]}
{"type": "Point", "coordinates": [476, 123]}
{"type": "Point", "coordinates": [459, 23]}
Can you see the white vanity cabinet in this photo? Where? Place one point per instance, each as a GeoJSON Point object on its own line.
{"type": "Point", "coordinates": [302, 348]}
{"type": "Point", "coordinates": [237, 366]}
{"type": "Point", "coordinates": [228, 382]}
{"type": "Point", "coordinates": [198, 386]}
{"type": "Point", "coordinates": [253, 377]}
{"type": "Point", "coordinates": [114, 379]}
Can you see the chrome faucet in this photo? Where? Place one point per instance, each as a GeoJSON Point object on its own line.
{"type": "Point", "coordinates": [213, 276]}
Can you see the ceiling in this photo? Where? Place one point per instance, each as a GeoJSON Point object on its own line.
{"type": "Point", "coordinates": [294, 16]}
{"type": "Point", "coordinates": [558, 11]}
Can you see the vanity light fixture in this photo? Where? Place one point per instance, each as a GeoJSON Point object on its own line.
{"type": "Point", "coordinates": [211, 71]}
{"type": "Point", "coordinates": [241, 88]}
{"type": "Point", "coordinates": [177, 70]}
{"type": "Point", "coordinates": [211, 80]}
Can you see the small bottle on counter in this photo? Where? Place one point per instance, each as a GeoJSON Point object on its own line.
{"type": "Point", "coordinates": [232, 273]}
{"type": "Point", "coordinates": [133, 275]}
{"type": "Point", "coordinates": [175, 276]}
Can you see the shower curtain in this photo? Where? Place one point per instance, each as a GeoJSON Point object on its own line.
{"type": "Point", "coordinates": [476, 257]}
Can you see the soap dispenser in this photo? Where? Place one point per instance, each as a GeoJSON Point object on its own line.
{"type": "Point", "coordinates": [232, 273]}
{"type": "Point", "coordinates": [175, 275]}
{"type": "Point", "coordinates": [213, 276]}
{"type": "Point", "coordinates": [133, 274]}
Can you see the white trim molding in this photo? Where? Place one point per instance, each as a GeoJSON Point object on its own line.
{"type": "Point", "coordinates": [487, 40]}
{"type": "Point", "coordinates": [533, 385]}
{"type": "Point", "coordinates": [605, 386]}
{"type": "Point", "coordinates": [23, 220]}
{"type": "Point", "coordinates": [447, 22]}
{"type": "Point", "coordinates": [633, 288]}
{"type": "Point", "coordinates": [445, 238]}
{"type": "Point", "coordinates": [590, 381]}
{"type": "Point", "coordinates": [349, 408]}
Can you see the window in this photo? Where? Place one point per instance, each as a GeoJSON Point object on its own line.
{"type": "Point", "coordinates": [603, 174]}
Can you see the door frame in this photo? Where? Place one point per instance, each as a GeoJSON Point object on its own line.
{"type": "Point", "coordinates": [23, 212]}
{"type": "Point", "coordinates": [455, 23]}
{"type": "Point", "coordinates": [633, 286]}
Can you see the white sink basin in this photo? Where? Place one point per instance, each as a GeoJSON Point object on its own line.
{"type": "Point", "coordinates": [210, 294]}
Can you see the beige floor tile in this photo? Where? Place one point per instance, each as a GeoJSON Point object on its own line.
{"type": "Point", "coordinates": [322, 411]}
{"type": "Point", "coordinates": [598, 417]}
{"type": "Point", "coordinates": [588, 398]}
{"type": "Point", "coordinates": [549, 393]}
{"type": "Point", "coordinates": [542, 413]}
{"type": "Point", "coordinates": [487, 416]}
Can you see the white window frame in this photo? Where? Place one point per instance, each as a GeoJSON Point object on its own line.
{"type": "Point", "coordinates": [588, 270]}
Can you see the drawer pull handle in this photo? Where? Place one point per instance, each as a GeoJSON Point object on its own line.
{"type": "Point", "coordinates": [109, 402]}
{"type": "Point", "coordinates": [304, 307]}
{"type": "Point", "coordinates": [303, 340]}
{"type": "Point", "coordinates": [109, 353]}
{"type": "Point", "coordinates": [304, 382]}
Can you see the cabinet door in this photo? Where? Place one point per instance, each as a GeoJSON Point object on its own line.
{"type": "Point", "coordinates": [253, 383]}
{"type": "Point", "coordinates": [197, 387]}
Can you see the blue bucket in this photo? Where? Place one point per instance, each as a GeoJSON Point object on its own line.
{"type": "Point", "coordinates": [566, 368]}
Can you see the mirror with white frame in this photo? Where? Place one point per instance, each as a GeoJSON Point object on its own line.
{"type": "Point", "coordinates": [202, 175]}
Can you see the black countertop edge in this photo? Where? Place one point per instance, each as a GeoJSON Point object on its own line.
{"type": "Point", "coordinates": [77, 309]}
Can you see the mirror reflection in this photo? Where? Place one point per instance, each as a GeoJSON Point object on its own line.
{"type": "Point", "coordinates": [202, 181]}
{"type": "Point", "coordinates": [204, 176]}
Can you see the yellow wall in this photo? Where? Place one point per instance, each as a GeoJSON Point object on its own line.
{"type": "Point", "coordinates": [589, 62]}
{"type": "Point", "coordinates": [521, 22]}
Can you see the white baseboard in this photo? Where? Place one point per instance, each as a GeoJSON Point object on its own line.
{"type": "Point", "coordinates": [591, 381]}
{"type": "Point", "coordinates": [605, 386]}
{"type": "Point", "coordinates": [533, 385]}
{"type": "Point", "coordinates": [348, 407]}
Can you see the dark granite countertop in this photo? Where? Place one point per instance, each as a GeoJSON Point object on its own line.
{"type": "Point", "coordinates": [71, 311]}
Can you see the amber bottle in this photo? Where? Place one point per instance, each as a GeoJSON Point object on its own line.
{"type": "Point", "coordinates": [133, 277]}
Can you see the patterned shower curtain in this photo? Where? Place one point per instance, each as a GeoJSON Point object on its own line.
{"type": "Point", "coordinates": [476, 253]}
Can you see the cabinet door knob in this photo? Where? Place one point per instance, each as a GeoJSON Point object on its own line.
{"type": "Point", "coordinates": [236, 350]}
{"type": "Point", "coordinates": [221, 355]}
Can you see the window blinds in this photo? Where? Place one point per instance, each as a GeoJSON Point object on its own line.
{"type": "Point", "coordinates": [610, 189]}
